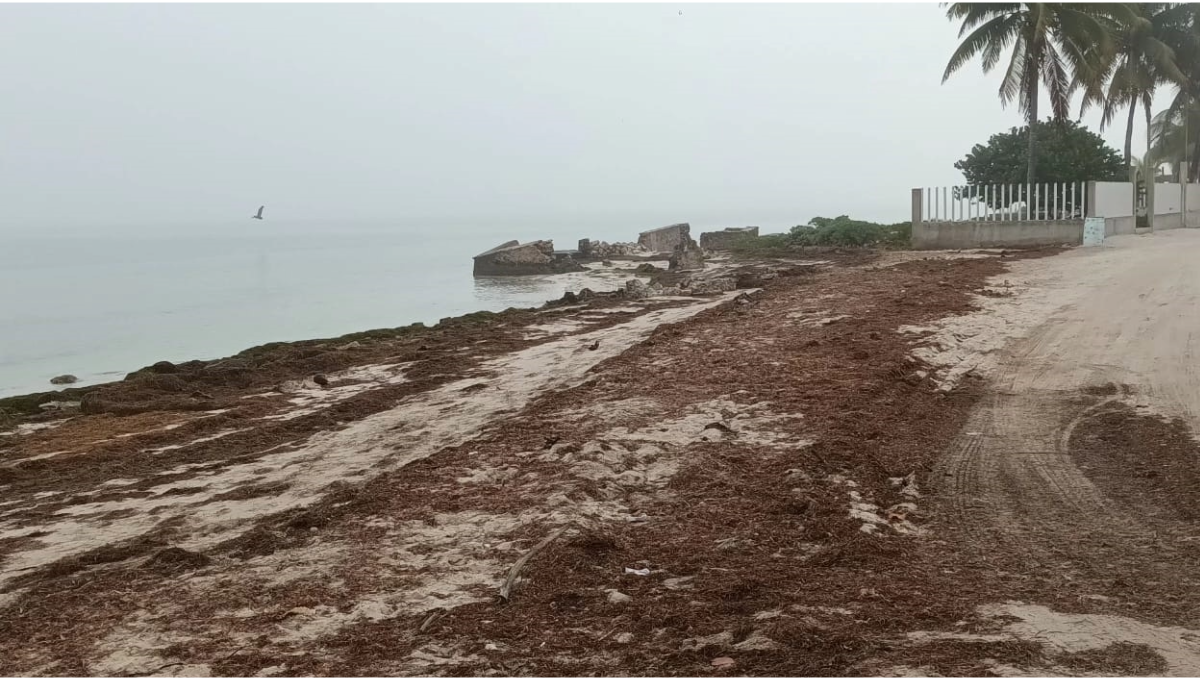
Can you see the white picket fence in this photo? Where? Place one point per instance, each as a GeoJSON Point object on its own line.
{"type": "Point", "coordinates": [1044, 202]}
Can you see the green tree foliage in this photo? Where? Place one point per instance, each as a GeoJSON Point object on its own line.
{"type": "Point", "coordinates": [1066, 152]}
{"type": "Point", "coordinates": [1118, 54]}
{"type": "Point", "coordinates": [1063, 46]}
{"type": "Point", "coordinates": [829, 232]}
{"type": "Point", "coordinates": [1143, 58]}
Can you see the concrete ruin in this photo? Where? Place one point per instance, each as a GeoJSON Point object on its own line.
{"type": "Point", "coordinates": [524, 259]}
{"type": "Point", "coordinates": [722, 240]}
{"type": "Point", "coordinates": [665, 239]}
{"type": "Point", "coordinates": [599, 250]}
{"type": "Point", "coordinates": [687, 255]}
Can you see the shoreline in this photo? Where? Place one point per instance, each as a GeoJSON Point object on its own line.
{"type": "Point", "coordinates": [54, 404]}
{"type": "Point", "coordinates": [18, 402]}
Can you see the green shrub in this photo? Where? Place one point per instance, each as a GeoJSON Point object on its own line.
{"type": "Point", "coordinates": [836, 232]}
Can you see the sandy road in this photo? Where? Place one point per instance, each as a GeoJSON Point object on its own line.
{"type": "Point", "coordinates": [1086, 331]}
{"type": "Point", "coordinates": [1122, 316]}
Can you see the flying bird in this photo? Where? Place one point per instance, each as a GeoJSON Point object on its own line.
{"type": "Point", "coordinates": [259, 215]}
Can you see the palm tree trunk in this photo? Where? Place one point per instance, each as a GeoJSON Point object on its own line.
{"type": "Point", "coordinates": [1129, 133]}
{"type": "Point", "coordinates": [1031, 168]}
{"type": "Point", "coordinates": [1194, 163]}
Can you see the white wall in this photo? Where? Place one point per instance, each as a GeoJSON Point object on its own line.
{"type": "Point", "coordinates": [1114, 199]}
{"type": "Point", "coordinates": [1167, 198]}
{"type": "Point", "coordinates": [1193, 197]}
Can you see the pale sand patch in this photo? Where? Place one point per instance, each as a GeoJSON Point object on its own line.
{"type": "Point", "coordinates": [199, 440]}
{"type": "Point", "coordinates": [308, 397]}
{"type": "Point", "coordinates": [30, 428]}
{"type": "Point", "coordinates": [644, 466]}
{"type": "Point", "coordinates": [619, 409]}
{"type": "Point", "coordinates": [740, 423]}
{"type": "Point", "coordinates": [559, 327]}
{"type": "Point", "coordinates": [1070, 633]}
{"type": "Point", "coordinates": [133, 648]}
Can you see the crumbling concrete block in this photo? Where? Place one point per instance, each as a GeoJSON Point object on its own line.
{"type": "Point", "coordinates": [524, 259]}
{"type": "Point", "coordinates": [687, 256]}
{"type": "Point", "coordinates": [721, 240]}
{"type": "Point", "coordinates": [599, 250]}
{"type": "Point", "coordinates": [665, 239]}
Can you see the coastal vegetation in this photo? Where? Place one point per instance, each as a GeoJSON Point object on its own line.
{"type": "Point", "coordinates": [1117, 55]}
{"type": "Point", "coordinates": [826, 232]}
{"type": "Point", "coordinates": [1066, 152]}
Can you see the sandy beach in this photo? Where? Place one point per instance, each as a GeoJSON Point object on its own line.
{"type": "Point", "coordinates": [781, 479]}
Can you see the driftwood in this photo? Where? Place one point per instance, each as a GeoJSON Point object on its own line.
{"type": "Point", "coordinates": [507, 586]}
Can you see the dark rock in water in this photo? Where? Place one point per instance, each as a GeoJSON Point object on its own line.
{"type": "Point", "coordinates": [524, 259]}
{"type": "Point", "coordinates": [321, 380]}
{"type": "Point", "coordinates": [586, 294]}
{"type": "Point", "coordinates": [164, 367]}
{"type": "Point", "coordinates": [65, 379]}
{"type": "Point", "coordinates": [607, 263]}
{"type": "Point", "coordinates": [569, 298]}
{"type": "Point", "coordinates": [647, 268]}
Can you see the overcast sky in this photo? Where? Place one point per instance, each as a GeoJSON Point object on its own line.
{"type": "Point", "coordinates": [176, 115]}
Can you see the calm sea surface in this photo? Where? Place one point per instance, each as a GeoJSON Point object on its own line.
{"type": "Point", "coordinates": [101, 306]}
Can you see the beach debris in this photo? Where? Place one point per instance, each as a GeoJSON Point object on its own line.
{"type": "Point", "coordinates": [65, 379]}
{"type": "Point", "coordinates": [721, 427]}
{"type": "Point", "coordinates": [617, 597]}
{"type": "Point", "coordinates": [594, 346]}
{"type": "Point", "coordinates": [510, 580]}
{"type": "Point", "coordinates": [645, 571]}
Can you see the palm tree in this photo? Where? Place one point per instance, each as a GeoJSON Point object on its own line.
{"type": "Point", "coordinates": [1143, 58]}
{"type": "Point", "coordinates": [1061, 45]}
{"type": "Point", "coordinates": [1175, 130]}
{"type": "Point", "coordinates": [1172, 132]}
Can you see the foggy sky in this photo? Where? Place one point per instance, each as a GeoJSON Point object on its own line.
{"type": "Point", "coordinates": [177, 115]}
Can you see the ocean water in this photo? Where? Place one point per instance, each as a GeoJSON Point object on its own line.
{"type": "Point", "coordinates": [100, 306]}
